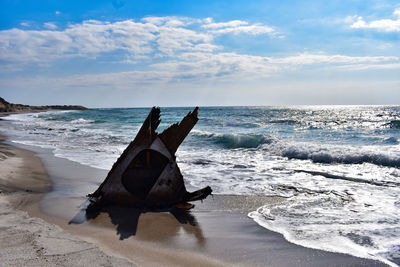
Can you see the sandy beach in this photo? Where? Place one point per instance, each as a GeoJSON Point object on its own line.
{"type": "Point", "coordinates": [31, 241]}
{"type": "Point", "coordinates": [217, 232]}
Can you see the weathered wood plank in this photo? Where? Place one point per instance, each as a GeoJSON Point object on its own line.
{"type": "Point", "coordinates": [176, 133]}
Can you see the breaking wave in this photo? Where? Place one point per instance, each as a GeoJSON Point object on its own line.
{"type": "Point", "coordinates": [317, 153]}
{"type": "Point", "coordinates": [231, 141]}
{"type": "Point", "coordinates": [81, 121]}
{"type": "Point", "coordinates": [334, 154]}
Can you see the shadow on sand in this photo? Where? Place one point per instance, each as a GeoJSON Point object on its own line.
{"type": "Point", "coordinates": [157, 224]}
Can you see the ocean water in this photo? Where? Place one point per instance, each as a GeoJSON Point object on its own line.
{"type": "Point", "coordinates": [337, 166]}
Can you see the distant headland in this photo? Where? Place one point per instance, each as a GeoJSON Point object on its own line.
{"type": "Point", "coordinates": [6, 107]}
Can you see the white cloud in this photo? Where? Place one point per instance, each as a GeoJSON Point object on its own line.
{"type": "Point", "coordinates": [87, 39]}
{"type": "Point", "coordinates": [171, 39]}
{"type": "Point", "coordinates": [251, 29]}
{"type": "Point", "coordinates": [57, 12]}
{"type": "Point", "coordinates": [50, 25]}
{"type": "Point", "coordinates": [348, 19]}
{"type": "Point", "coordinates": [170, 21]}
{"type": "Point", "coordinates": [162, 36]}
{"type": "Point", "coordinates": [196, 65]}
{"type": "Point", "coordinates": [383, 25]}
{"type": "Point", "coordinates": [91, 38]}
{"type": "Point", "coordinates": [397, 12]}
{"type": "Point", "coordinates": [361, 67]}
{"type": "Point", "coordinates": [25, 24]}
{"type": "Point", "coordinates": [307, 58]}
{"type": "Point", "coordinates": [237, 27]}
{"type": "Point", "coordinates": [210, 24]}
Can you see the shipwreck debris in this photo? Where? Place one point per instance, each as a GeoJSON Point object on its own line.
{"type": "Point", "coordinates": [146, 174]}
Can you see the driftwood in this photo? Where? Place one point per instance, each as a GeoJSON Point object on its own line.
{"type": "Point", "coordinates": [146, 174]}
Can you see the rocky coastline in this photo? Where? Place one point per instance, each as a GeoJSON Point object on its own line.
{"type": "Point", "coordinates": [9, 108]}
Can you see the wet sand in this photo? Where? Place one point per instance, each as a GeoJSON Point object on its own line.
{"type": "Point", "coordinates": [216, 232]}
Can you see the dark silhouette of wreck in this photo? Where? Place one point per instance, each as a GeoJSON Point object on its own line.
{"type": "Point", "coordinates": [146, 175]}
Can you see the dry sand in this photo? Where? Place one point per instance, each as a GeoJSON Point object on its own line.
{"type": "Point", "coordinates": [28, 241]}
{"type": "Point", "coordinates": [216, 233]}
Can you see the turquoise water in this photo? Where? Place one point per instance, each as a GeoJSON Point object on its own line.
{"type": "Point", "coordinates": [338, 166]}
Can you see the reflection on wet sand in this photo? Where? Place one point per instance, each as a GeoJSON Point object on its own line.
{"type": "Point", "coordinates": [153, 225]}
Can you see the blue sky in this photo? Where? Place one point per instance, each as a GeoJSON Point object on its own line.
{"type": "Point", "coordinates": [181, 53]}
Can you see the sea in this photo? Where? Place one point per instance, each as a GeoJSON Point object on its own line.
{"type": "Point", "coordinates": [338, 167]}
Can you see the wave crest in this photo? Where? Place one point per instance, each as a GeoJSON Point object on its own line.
{"type": "Point", "coordinates": [333, 154]}
{"type": "Point", "coordinates": [232, 141]}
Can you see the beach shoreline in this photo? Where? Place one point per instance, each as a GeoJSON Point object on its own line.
{"type": "Point", "coordinates": [217, 232]}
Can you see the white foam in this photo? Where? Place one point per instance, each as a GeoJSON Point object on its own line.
{"type": "Point", "coordinates": [386, 155]}
{"type": "Point", "coordinates": [329, 243]}
{"type": "Point", "coordinates": [81, 121]}
{"type": "Point", "coordinates": [363, 223]}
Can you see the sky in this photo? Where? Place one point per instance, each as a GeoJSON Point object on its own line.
{"type": "Point", "coordinates": [121, 53]}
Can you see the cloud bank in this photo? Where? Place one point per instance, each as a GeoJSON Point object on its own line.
{"type": "Point", "coordinates": [165, 50]}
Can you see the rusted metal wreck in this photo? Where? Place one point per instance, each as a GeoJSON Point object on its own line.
{"type": "Point", "coordinates": [146, 174]}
